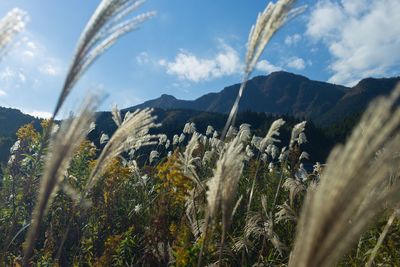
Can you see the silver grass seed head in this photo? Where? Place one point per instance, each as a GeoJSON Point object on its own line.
{"type": "Point", "coordinates": [107, 24]}
{"type": "Point", "coordinates": [175, 139]}
{"type": "Point", "coordinates": [204, 140]}
{"type": "Point", "coordinates": [268, 22]}
{"type": "Point", "coordinates": [271, 167]}
{"type": "Point", "coordinates": [104, 138]}
{"type": "Point", "coordinates": [354, 187]}
{"type": "Point", "coordinates": [273, 131]}
{"type": "Point", "coordinates": [11, 25]}
{"type": "Point", "coordinates": [223, 185]}
{"type": "Point", "coordinates": [297, 130]}
{"type": "Point", "coordinates": [15, 147]}
{"type": "Point", "coordinates": [131, 134]}
{"type": "Point", "coordinates": [249, 153]}
{"type": "Point", "coordinates": [256, 141]}
{"type": "Point", "coordinates": [167, 144]}
{"type": "Point", "coordinates": [153, 156]}
{"type": "Point", "coordinates": [304, 155]}
{"type": "Point", "coordinates": [207, 156]}
{"type": "Point", "coordinates": [181, 138]}
{"type": "Point", "coordinates": [215, 134]}
{"type": "Point", "coordinates": [232, 132]}
{"type": "Point", "coordinates": [210, 130]}
{"type": "Point", "coordinates": [244, 132]}
{"type": "Point", "coordinates": [162, 139]}
{"type": "Point", "coordinates": [116, 116]}
{"type": "Point", "coordinates": [264, 157]}
{"type": "Point", "coordinates": [61, 150]}
{"type": "Point", "coordinates": [283, 155]}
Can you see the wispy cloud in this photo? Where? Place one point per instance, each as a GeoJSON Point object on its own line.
{"type": "Point", "coordinates": [49, 69]}
{"type": "Point", "coordinates": [362, 36]}
{"type": "Point", "coordinates": [187, 66]}
{"type": "Point", "coordinates": [143, 58]}
{"type": "Point", "coordinates": [291, 40]}
{"type": "Point", "coordinates": [39, 114]}
{"type": "Point", "coordinates": [296, 63]}
{"type": "Point", "coordinates": [28, 64]}
{"type": "Point", "coordinates": [267, 67]}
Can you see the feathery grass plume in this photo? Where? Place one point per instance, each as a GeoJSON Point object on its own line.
{"type": "Point", "coordinates": [188, 163]}
{"type": "Point", "coordinates": [267, 24]}
{"type": "Point", "coordinates": [153, 156]}
{"type": "Point", "coordinates": [222, 187]}
{"type": "Point", "coordinates": [353, 187]}
{"type": "Point", "coordinates": [107, 24]}
{"type": "Point", "coordinates": [62, 147]}
{"type": "Point", "coordinates": [270, 136]}
{"type": "Point", "coordinates": [263, 143]}
{"type": "Point", "coordinates": [294, 187]}
{"type": "Point", "coordinates": [210, 130]}
{"type": "Point", "coordinates": [298, 135]}
{"type": "Point", "coordinates": [116, 115]}
{"type": "Point", "coordinates": [11, 25]}
{"type": "Point", "coordinates": [285, 213]}
{"type": "Point", "coordinates": [132, 134]}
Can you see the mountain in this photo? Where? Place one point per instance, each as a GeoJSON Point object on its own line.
{"type": "Point", "coordinates": [356, 100]}
{"type": "Point", "coordinates": [286, 93]}
{"type": "Point", "coordinates": [334, 109]}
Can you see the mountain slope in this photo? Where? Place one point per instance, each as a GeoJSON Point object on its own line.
{"type": "Point", "coordinates": [356, 100]}
{"type": "Point", "coordinates": [286, 93]}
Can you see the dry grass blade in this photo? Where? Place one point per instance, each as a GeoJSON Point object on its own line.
{"type": "Point", "coordinates": [132, 134]}
{"type": "Point", "coordinates": [267, 24]}
{"type": "Point", "coordinates": [68, 138]}
{"type": "Point", "coordinates": [107, 24]}
{"type": "Point", "coordinates": [353, 187]}
{"type": "Point", "coordinates": [381, 238]}
{"type": "Point", "coordinates": [10, 25]}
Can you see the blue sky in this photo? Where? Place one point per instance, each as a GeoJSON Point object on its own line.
{"type": "Point", "coordinates": [194, 47]}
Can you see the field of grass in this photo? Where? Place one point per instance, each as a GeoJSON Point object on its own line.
{"type": "Point", "coordinates": [227, 198]}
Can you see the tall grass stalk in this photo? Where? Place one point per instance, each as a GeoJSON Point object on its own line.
{"type": "Point", "coordinates": [382, 237]}
{"type": "Point", "coordinates": [70, 135]}
{"type": "Point", "coordinates": [222, 189]}
{"type": "Point", "coordinates": [268, 23]}
{"type": "Point", "coordinates": [353, 188]}
{"type": "Point", "coordinates": [108, 23]}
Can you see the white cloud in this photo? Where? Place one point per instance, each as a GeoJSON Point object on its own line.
{"type": "Point", "coordinates": [2, 93]}
{"type": "Point", "coordinates": [10, 75]}
{"type": "Point", "coordinates": [31, 45]}
{"type": "Point", "coordinates": [143, 58]}
{"type": "Point", "coordinates": [28, 54]}
{"type": "Point", "coordinates": [49, 69]}
{"type": "Point", "coordinates": [292, 39]}
{"type": "Point", "coordinates": [267, 67]}
{"type": "Point", "coordinates": [40, 114]}
{"type": "Point", "coordinates": [296, 63]}
{"type": "Point", "coordinates": [188, 66]}
{"type": "Point", "coordinates": [362, 36]}
{"type": "Point", "coordinates": [22, 77]}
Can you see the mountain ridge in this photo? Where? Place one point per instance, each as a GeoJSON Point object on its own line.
{"type": "Point", "coordinates": [282, 93]}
